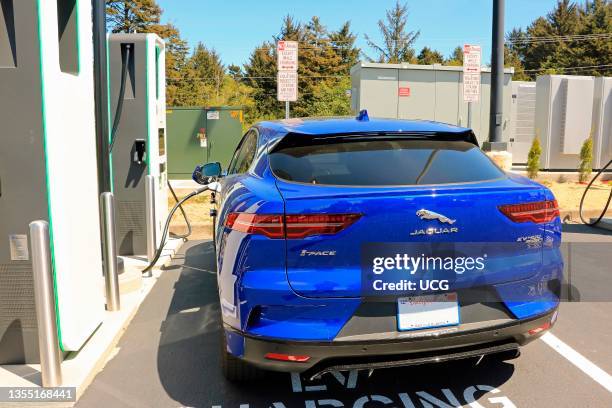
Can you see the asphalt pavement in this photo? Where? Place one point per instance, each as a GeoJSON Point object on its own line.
{"type": "Point", "coordinates": [168, 357]}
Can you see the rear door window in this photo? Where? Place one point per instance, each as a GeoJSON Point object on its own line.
{"type": "Point", "coordinates": [244, 155]}
{"type": "Point", "coordinates": [382, 161]}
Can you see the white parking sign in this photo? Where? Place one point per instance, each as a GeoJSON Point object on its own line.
{"type": "Point", "coordinates": [287, 86]}
{"type": "Point", "coordinates": [471, 72]}
{"type": "Point", "coordinates": [287, 55]}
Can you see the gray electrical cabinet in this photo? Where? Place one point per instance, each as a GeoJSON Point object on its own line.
{"type": "Point", "coordinates": [430, 92]}
{"type": "Point", "coordinates": [140, 140]}
{"type": "Point", "coordinates": [564, 117]}
{"type": "Point", "coordinates": [522, 119]}
{"type": "Point", "coordinates": [48, 171]}
{"type": "Point", "coordinates": [602, 122]}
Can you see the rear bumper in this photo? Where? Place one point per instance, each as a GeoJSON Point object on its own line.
{"type": "Point", "coordinates": [409, 348]}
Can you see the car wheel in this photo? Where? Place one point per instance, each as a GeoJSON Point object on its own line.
{"type": "Point", "coordinates": [235, 369]}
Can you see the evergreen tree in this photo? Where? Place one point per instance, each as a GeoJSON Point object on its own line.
{"type": "Point", "coordinates": [586, 160]}
{"type": "Point", "coordinates": [343, 42]}
{"type": "Point", "coordinates": [127, 16]}
{"type": "Point", "coordinates": [456, 57]}
{"type": "Point", "coordinates": [209, 75]}
{"type": "Point", "coordinates": [144, 16]}
{"type": "Point", "coordinates": [597, 51]}
{"type": "Point", "coordinates": [330, 98]}
{"type": "Point", "coordinates": [549, 43]}
{"type": "Point", "coordinates": [177, 51]}
{"type": "Point", "coordinates": [427, 56]}
{"type": "Point", "coordinates": [325, 58]}
{"type": "Point", "coordinates": [397, 45]}
{"type": "Point", "coordinates": [533, 158]}
{"type": "Point", "coordinates": [260, 72]}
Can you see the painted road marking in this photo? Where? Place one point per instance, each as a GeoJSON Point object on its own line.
{"type": "Point", "coordinates": [577, 359]}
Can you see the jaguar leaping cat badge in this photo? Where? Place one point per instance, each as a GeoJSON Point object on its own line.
{"type": "Point", "coordinates": [430, 215]}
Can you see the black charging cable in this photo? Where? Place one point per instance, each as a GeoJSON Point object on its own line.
{"type": "Point", "coordinates": [167, 226]}
{"type": "Point", "coordinates": [119, 110]}
{"type": "Point", "coordinates": [603, 213]}
{"type": "Point", "coordinates": [188, 233]}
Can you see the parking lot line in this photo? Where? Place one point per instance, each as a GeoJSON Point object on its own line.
{"type": "Point", "coordinates": [584, 364]}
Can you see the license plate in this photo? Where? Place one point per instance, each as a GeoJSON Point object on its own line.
{"type": "Point", "coordinates": [426, 312]}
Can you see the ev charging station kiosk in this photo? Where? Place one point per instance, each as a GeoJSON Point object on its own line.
{"type": "Point", "coordinates": [48, 171]}
{"type": "Point", "coordinates": [139, 149]}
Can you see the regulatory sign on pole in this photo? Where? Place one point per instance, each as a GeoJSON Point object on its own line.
{"type": "Point", "coordinates": [471, 72]}
{"type": "Point", "coordinates": [287, 78]}
{"type": "Point", "coordinates": [287, 55]}
{"type": "Point", "coordinates": [287, 86]}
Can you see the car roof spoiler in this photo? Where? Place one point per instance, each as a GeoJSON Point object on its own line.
{"type": "Point", "coordinates": [300, 139]}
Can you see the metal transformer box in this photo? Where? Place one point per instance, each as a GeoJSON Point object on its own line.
{"type": "Point", "coordinates": [522, 122]}
{"type": "Point", "coordinates": [140, 141]}
{"type": "Point", "coordinates": [201, 135]}
{"type": "Point", "coordinates": [48, 171]}
{"type": "Point", "coordinates": [429, 92]}
{"type": "Point", "coordinates": [563, 121]}
{"type": "Point", "coordinates": [602, 122]}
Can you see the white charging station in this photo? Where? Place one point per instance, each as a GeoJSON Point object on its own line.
{"type": "Point", "coordinates": [137, 61]}
{"type": "Point", "coordinates": [48, 171]}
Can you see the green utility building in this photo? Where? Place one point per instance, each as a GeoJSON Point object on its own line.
{"type": "Point", "coordinates": [199, 135]}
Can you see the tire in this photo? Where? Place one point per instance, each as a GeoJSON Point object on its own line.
{"type": "Point", "coordinates": [235, 369]}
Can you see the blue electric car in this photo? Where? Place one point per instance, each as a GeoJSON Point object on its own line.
{"type": "Point", "coordinates": [325, 230]}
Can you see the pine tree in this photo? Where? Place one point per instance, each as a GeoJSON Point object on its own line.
{"type": "Point", "coordinates": [325, 58]}
{"type": "Point", "coordinates": [586, 160]}
{"type": "Point", "coordinates": [456, 57]}
{"type": "Point", "coordinates": [533, 158]}
{"type": "Point", "coordinates": [260, 72]}
{"type": "Point", "coordinates": [144, 16]}
{"type": "Point", "coordinates": [127, 16]}
{"type": "Point", "coordinates": [209, 74]}
{"type": "Point", "coordinates": [397, 43]}
{"type": "Point", "coordinates": [427, 56]}
{"type": "Point", "coordinates": [597, 51]}
{"type": "Point", "coordinates": [343, 42]}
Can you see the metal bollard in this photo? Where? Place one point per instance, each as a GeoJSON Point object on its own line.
{"type": "Point", "coordinates": [48, 342]}
{"type": "Point", "coordinates": [150, 219]}
{"type": "Point", "coordinates": [109, 245]}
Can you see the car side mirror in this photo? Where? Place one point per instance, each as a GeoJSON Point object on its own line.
{"type": "Point", "coordinates": [205, 173]}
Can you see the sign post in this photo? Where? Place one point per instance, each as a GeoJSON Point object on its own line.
{"type": "Point", "coordinates": [287, 77]}
{"type": "Point", "coordinates": [471, 76]}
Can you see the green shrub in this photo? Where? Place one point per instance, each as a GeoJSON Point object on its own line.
{"type": "Point", "coordinates": [586, 160]}
{"type": "Point", "coordinates": [533, 159]}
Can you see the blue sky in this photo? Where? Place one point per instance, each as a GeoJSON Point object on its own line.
{"type": "Point", "coordinates": [235, 27]}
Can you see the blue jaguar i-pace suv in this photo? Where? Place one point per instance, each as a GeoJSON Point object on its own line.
{"type": "Point", "coordinates": [357, 243]}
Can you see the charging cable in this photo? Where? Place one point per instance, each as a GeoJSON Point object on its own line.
{"type": "Point", "coordinates": [603, 213]}
{"type": "Point", "coordinates": [212, 186]}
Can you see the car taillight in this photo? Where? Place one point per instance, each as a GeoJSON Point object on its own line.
{"type": "Point", "coordinates": [538, 212]}
{"type": "Point", "coordinates": [264, 224]}
{"type": "Point", "coordinates": [303, 225]}
{"type": "Point", "coordinates": [292, 226]}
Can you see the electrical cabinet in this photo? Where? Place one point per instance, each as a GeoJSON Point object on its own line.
{"type": "Point", "coordinates": [201, 135]}
{"type": "Point", "coordinates": [48, 171]}
{"type": "Point", "coordinates": [139, 147]}
{"type": "Point", "coordinates": [522, 123]}
{"type": "Point", "coordinates": [602, 121]}
{"type": "Point", "coordinates": [429, 92]}
{"type": "Point", "coordinates": [564, 114]}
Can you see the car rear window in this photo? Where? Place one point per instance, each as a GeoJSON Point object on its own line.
{"type": "Point", "coordinates": [382, 162]}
